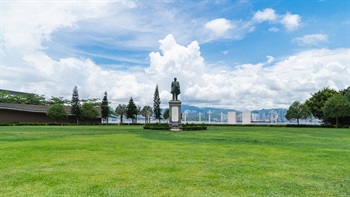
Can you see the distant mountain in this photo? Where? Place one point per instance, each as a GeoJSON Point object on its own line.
{"type": "Point", "coordinates": [218, 113]}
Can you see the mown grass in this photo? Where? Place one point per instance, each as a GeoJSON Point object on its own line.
{"type": "Point", "coordinates": [130, 161]}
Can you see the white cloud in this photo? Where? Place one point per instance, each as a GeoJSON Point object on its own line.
{"type": "Point", "coordinates": [291, 21]}
{"type": "Point", "coordinates": [247, 86]}
{"type": "Point", "coordinates": [267, 14]}
{"type": "Point", "coordinates": [38, 20]}
{"type": "Point", "coordinates": [222, 28]}
{"type": "Point", "coordinates": [312, 39]}
{"type": "Point", "coordinates": [219, 26]}
{"type": "Point", "coordinates": [27, 67]}
{"type": "Point", "coordinates": [268, 84]}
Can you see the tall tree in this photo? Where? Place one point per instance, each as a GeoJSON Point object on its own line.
{"type": "Point", "coordinates": [57, 112]}
{"type": "Point", "coordinates": [76, 111]}
{"type": "Point", "coordinates": [131, 110]}
{"type": "Point", "coordinates": [298, 111]}
{"type": "Point", "coordinates": [147, 113]}
{"type": "Point", "coordinates": [156, 105]}
{"type": "Point", "coordinates": [121, 111]}
{"type": "Point", "coordinates": [336, 107]}
{"type": "Point", "coordinates": [105, 107]}
{"type": "Point", "coordinates": [317, 101]}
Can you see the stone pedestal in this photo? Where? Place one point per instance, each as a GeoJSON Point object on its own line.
{"type": "Point", "coordinates": [175, 114]}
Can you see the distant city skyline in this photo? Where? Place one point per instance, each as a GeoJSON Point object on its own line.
{"type": "Point", "coordinates": [238, 54]}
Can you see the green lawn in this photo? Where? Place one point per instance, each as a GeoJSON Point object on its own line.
{"type": "Point", "coordinates": [130, 161]}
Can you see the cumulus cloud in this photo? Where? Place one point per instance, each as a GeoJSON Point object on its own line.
{"type": "Point", "coordinates": [219, 26]}
{"type": "Point", "coordinates": [267, 14]}
{"type": "Point", "coordinates": [267, 84]}
{"type": "Point", "coordinates": [38, 20]}
{"type": "Point", "coordinates": [289, 21]}
{"type": "Point", "coordinates": [27, 67]}
{"type": "Point", "coordinates": [312, 39]}
{"type": "Point", "coordinates": [222, 28]}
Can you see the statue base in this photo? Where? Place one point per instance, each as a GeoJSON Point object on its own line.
{"type": "Point", "coordinates": [175, 114]}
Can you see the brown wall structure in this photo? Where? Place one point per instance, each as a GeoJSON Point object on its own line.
{"type": "Point", "coordinates": [10, 112]}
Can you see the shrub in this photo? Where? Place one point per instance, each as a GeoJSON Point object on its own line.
{"type": "Point", "coordinates": [157, 126]}
{"type": "Point", "coordinates": [193, 127]}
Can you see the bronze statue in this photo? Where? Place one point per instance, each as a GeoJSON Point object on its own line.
{"type": "Point", "coordinates": [175, 89]}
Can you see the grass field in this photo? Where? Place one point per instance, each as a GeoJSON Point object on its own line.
{"type": "Point", "coordinates": [130, 161]}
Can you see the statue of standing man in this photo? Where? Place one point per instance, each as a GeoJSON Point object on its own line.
{"type": "Point", "coordinates": [175, 89]}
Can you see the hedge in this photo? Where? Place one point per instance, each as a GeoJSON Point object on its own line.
{"type": "Point", "coordinates": [193, 127]}
{"type": "Point", "coordinates": [157, 126]}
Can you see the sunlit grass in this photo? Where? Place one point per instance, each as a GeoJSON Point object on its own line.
{"type": "Point", "coordinates": [130, 161]}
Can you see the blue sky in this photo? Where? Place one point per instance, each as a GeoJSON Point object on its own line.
{"type": "Point", "coordinates": [239, 54]}
{"type": "Point", "coordinates": [329, 18]}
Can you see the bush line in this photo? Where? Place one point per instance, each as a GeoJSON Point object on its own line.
{"type": "Point", "coordinates": [165, 126]}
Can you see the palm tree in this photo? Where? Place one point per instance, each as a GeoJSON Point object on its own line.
{"type": "Point", "coordinates": [121, 110]}
{"type": "Point", "coordinates": [138, 111]}
{"type": "Point", "coordinates": [147, 112]}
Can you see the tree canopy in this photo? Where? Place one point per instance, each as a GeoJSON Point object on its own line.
{"type": "Point", "coordinates": [121, 111]}
{"type": "Point", "coordinates": [317, 101]}
{"type": "Point", "coordinates": [166, 114]}
{"type": "Point", "coordinates": [298, 111]}
{"type": "Point", "coordinates": [31, 99]}
{"type": "Point", "coordinates": [88, 111]}
{"type": "Point", "coordinates": [336, 107]}
{"type": "Point", "coordinates": [147, 113]}
{"type": "Point", "coordinates": [57, 112]}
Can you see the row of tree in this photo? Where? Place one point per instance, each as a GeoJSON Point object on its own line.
{"type": "Point", "coordinates": [34, 99]}
{"type": "Point", "coordinates": [328, 105]}
{"type": "Point", "coordinates": [132, 111]}
{"type": "Point", "coordinates": [85, 109]}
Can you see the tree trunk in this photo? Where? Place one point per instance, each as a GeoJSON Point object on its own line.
{"type": "Point", "coordinates": [336, 122]}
